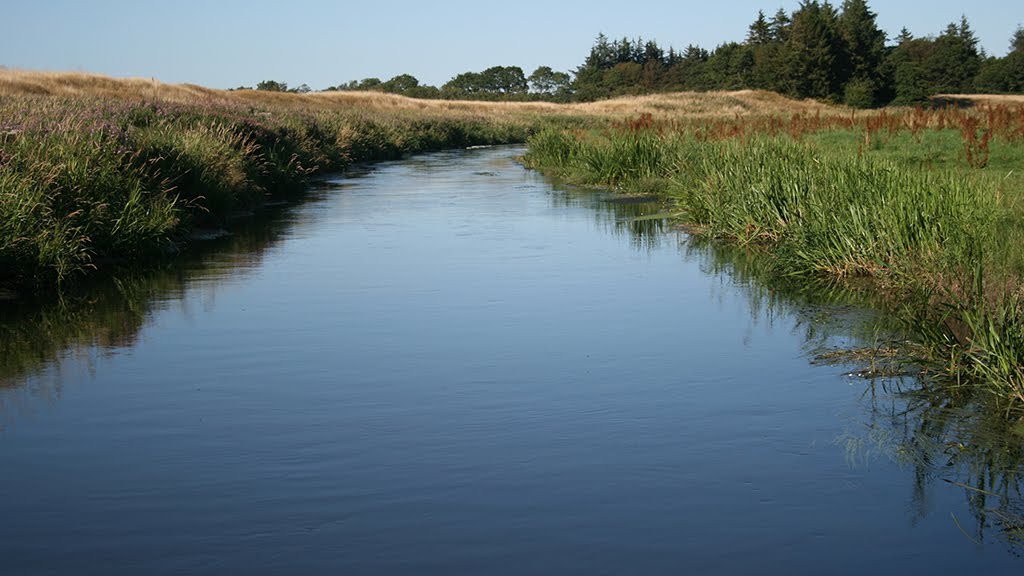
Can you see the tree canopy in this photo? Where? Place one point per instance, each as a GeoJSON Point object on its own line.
{"type": "Point", "coordinates": [819, 50]}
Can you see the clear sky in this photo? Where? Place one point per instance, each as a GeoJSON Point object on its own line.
{"type": "Point", "coordinates": [228, 43]}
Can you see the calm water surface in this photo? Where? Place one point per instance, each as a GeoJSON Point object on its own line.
{"type": "Point", "coordinates": [447, 365]}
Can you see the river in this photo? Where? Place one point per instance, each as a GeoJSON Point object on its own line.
{"type": "Point", "coordinates": [448, 365]}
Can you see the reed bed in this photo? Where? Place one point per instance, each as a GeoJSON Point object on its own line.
{"type": "Point", "coordinates": [832, 197]}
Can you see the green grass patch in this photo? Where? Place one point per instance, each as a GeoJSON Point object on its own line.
{"type": "Point", "coordinates": [938, 238]}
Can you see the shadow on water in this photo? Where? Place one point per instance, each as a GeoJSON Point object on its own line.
{"type": "Point", "coordinates": [646, 220]}
{"type": "Point", "coordinates": [945, 447]}
{"type": "Point", "coordinates": [107, 315]}
{"type": "Point", "coordinates": [104, 317]}
{"type": "Point", "coordinates": [944, 444]}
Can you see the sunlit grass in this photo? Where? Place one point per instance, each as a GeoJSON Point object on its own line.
{"type": "Point", "coordinates": [926, 205]}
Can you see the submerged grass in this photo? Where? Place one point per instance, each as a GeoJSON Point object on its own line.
{"type": "Point", "coordinates": [939, 238]}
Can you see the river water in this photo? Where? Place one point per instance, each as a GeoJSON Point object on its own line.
{"type": "Point", "coordinates": [448, 365]}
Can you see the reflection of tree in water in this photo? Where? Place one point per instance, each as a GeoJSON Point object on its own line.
{"type": "Point", "coordinates": [945, 439]}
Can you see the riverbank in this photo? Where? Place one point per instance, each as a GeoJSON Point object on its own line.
{"type": "Point", "coordinates": [87, 181]}
{"type": "Point", "coordinates": [98, 171]}
{"type": "Point", "coordinates": [923, 205]}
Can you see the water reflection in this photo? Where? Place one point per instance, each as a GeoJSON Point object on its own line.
{"type": "Point", "coordinates": [945, 443]}
{"type": "Point", "coordinates": [40, 337]}
{"type": "Point", "coordinates": [646, 220]}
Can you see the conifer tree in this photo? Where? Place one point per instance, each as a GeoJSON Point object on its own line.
{"type": "Point", "coordinates": [955, 61]}
{"type": "Point", "coordinates": [815, 54]}
{"type": "Point", "coordinates": [760, 32]}
{"type": "Point", "coordinates": [864, 45]}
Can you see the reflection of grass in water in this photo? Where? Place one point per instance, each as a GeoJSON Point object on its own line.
{"type": "Point", "coordinates": [817, 209]}
{"type": "Point", "coordinates": [108, 314]}
{"type": "Point", "coordinates": [937, 440]}
{"type": "Point", "coordinates": [642, 217]}
{"type": "Point", "coordinates": [936, 435]}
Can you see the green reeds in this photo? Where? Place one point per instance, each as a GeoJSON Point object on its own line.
{"type": "Point", "coordinates": [817, 213]}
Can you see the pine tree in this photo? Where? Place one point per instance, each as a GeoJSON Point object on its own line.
{"type": "Point", "coordinates": [760, 32]}
{"type": "Point", "coordinates": [955, 61]}
{"type": "Point", "coordinates": [780, 25]}
{"type": "Point", "coordinates": [1017, 42]}
{"type": "Point", "coordinates": [864, 45]}
{"type": "Point", "coordinates": [815, 52]}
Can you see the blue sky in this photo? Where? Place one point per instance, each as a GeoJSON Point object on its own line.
{"type": "Point", "coordinates": [227, 43]}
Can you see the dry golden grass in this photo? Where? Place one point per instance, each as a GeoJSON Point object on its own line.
{"type": "Point", "coordinates": [685, 104]}
{"type": "Point", "coordinates": [70, 84]}
{"type": "Point", "coordinates": [990, 99]}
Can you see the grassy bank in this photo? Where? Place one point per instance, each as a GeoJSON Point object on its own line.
{"type": "Point", "coordinates": [89, 180]}
{"type": "Point", "coordinates": [925, 206]}
{"type": "Point", "coordinates": [97, 170]}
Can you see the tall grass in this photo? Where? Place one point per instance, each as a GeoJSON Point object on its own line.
{"type": "Point", "coordinates": [935, 241]}
{"type": "Point", "coordinates": [86, 181]}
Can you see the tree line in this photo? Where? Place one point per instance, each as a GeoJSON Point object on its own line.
{"type": "Point", "coordinates": [816, 51]}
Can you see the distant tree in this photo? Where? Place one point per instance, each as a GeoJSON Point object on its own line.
{"type": "Point", "coordinates": [496, 83]}
{"type": "Point", "coordinates": [548, 83]}
{"type": "Point", "coordinates": [760, 32]}
{"type": "Point", "coordinates": [687, 72]}
{"type": "Point", "coordinates": [728, 68]}
{"type": "Point", "coordinates": [1017, 41]}
{"type": "Point", "coordinates": [272, 86]}
{"type": "Point", "coordinates": [401, 84]}
{"type": "Point", "coordinates": [1014, 63]}
{"type": "Point", "coordinates": [816, 58]}
{"type": "Point", "coordinates": [780, 25]}
{"type": "Point", "coordinates": [767, 51]}
{"type": "Point", "coordinates": [864, 44]}
{"type": "Point", "coordinates": [907, 65]}
{"type": "Point", "coordinates": [301, 89]}
{"type": "Point", "coordinates": [364, 84]}
{"type": "Point", "coordinates": [1004, 74]}
{"type": "Point", "coordinates": [505, 80]}
{"type": "Point", "coordinates": [602, 55]}
{"type": "Point", "coordinates": [953, 65]}
{"type": "Point", "coordinates": [817, 51]}
{"type": "Point", "coordinates": [653, 53]}
{"type": "Point", "coordinates": [589, 79]}
{"type": "Point", "coordinates": [369, 84]}
{"type": "Point", "coordinates": [624, 78]}
{"type": "Point", "coordinates": [464, 85]}
{"type": "Point", "coordinates": [625, 52]}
